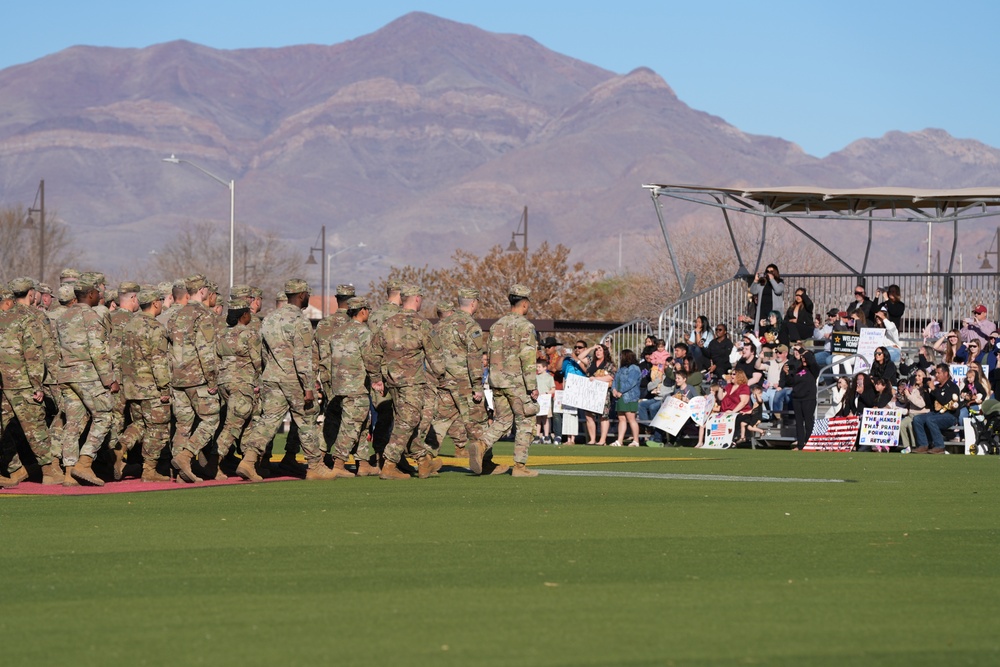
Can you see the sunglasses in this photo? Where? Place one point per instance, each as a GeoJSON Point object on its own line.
{"type": "Point", "coordinates": [859, 294]}
{"type": "Point", "coordinates": [579, 347]}
{"type": "Point", "coordinates": [952, 337]}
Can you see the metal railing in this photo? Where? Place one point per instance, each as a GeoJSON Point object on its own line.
{"type": "Point", "coordinates": [629, 336]}
{"type": "Point", "coordinates": [719, 303]}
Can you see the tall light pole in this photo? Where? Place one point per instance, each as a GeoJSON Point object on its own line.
{"type": "Point", "coordinates": [322, 268]}
{"type": "Point", "coordinates": [231, 184]}
{"type": "Point", "coordinates": [40, 200]}
{"type": "Point", "coordinates": [521, 224]}
{"type": "Point", "coordinates": [329, 274]}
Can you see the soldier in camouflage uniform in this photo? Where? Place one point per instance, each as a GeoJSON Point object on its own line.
{"type": "Point", "coordinates": [382, 404]}
{"type": "Point", "coordinates": [511, 348]}
{"type": "Point", "coordinates": [322, 338]}
{"type": "Point", "coordinates": [288, 381]}
{"type": "Point", "coordinates": [44, 297]}
{"type": "Point", "coordinates": [239, 352]}
{"type": "Point", "coordinates": [461, 410]}
{"type": "Point", "coordinates": [68, 276]}
{"type": "Point", "coordinates": [193, 383]}
{"type": "Point", "coordinates": [400, 356]}
{"type": "Point", "coordinates": [146, 383]}
{"type": "Point", "coordinates": [349, 390]}
{"type": "Point", "coordinates": [127, 304]}
{"type": "Point", "coordinates": [21, 370]}
{"type": "Point", "coordinates": [180, 298]}
{"type": "Point", "coordinates": [88, 378]}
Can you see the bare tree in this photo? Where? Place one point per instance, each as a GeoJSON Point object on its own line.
{"type": "Point", "coordinates": [19, 252]}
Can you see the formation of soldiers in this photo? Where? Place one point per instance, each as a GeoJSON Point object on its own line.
{"type": "Point", "coordinates": [95, 380]}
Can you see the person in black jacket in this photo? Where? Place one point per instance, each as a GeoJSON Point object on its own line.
{"type": "Point", "coordinates": [800, 373]}
{"type": "Point", "coordinates": [943, 413]}
{"type": "Point", "coordinates": [860, 395]}
{"type": "Point", "coordinates": [718, 351]}
{"type": "Point", "coordinates": [798, 319]}
{"type": "Point", "coordinates": [883, 367]}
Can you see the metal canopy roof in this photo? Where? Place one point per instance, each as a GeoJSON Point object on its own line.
{"type": "Point", "coordinates": [788, 203]}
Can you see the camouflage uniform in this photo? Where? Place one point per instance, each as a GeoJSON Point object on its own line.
{"type": "Point", "coordinates": [239, 352]}
{"type": "Point", "coordinates": [288, 374]}
{"type": "Point", "coordinates": [461, 341]}
{"type": "Point", "coordinates": [349, 386]}
{"type": "Point", "coordinates": [119, 320]}
{"type": "Point", "coordinates": [382, 405]}
{"type": "Point", "coordinates": [85, 373]}
{"type": "Point", "coordinates": [22, 368]}
{"type": "Point", "coordinates": [511, 348]}
{"type": "Point", "coordinates": [146, 381]}
{"type": "Point", "coordinates": [194, 392]}
{"type": "Point", "coordinates": [398, 354]}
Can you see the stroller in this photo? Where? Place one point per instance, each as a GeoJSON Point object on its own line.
{"type": "Point", "coordinates": [987, 428]}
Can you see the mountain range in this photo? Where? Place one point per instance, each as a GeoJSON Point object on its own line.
{"type": "Point", "coordinates": [422, 137]}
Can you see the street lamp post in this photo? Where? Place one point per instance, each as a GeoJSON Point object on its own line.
{"type": "Point", "coordinates": [40, 200]}
{"type": "Point", "coordinates": [329, 274]}
{"type": "Point", "coordinates": [322, 268]}
{"type": "Point", "coordinates": [522, 224]}
{"type": "Point", "coordinates": [231, 184]}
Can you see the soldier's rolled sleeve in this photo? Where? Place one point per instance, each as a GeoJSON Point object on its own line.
{"type": "Point", "coordinates": [99, 353]}
{"type": "Point", "coordinates": [160, 361]}
{"type": "Point", "coordinates": [302, 356]}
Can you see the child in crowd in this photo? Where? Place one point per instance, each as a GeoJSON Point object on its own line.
{"type": "Point", "coordinates": [661, 356]}
{"type": "Point", "coordinates": [546, 387]}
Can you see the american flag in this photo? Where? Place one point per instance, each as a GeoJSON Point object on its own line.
{"type": "Point", "coordinates": [834, 435]}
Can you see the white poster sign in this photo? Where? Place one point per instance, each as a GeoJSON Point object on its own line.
{"type": "Point", "coordinates": [701, 408]}
{"type": "Point", "coordinates": [585, 393]}
{"type": "Point", "coordinates": [545, 405]}
{"type": "Point", "coordinates": [870, 339]}
{"type": "Point", "coordinates": [719, 431]}
{"type": "Point", "coordinates": [879, 428]}
{"type": "Point", "coordinates": [671, 416]}
{"type": "Point", "coordinates": [958, 373]}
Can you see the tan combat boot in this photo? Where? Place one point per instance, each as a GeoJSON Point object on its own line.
{"type": "Point", "coordinates": [475, 458]}
{"type": "Point", "coordinates": [318, 470]}
{"type": "Point", "coordinates": [83, 471]}
{"type": "Point", "coordinates": [391, 471]}
{"type": "Point", "coordinates": [461, 453]}
{"type": "Point", "coordinates": [366, 469]}
{"type": "Point", "coordinates": [522, 470]}
{"type": "Point", "coordinates": [119, 468]}
{"type": "Point", "coordinates": [427, 466]}
{"type": "Point", "coordinates": [149, 473]}
{"type": "Point", "coordinates": [15, 478]}
{"type": "Point", "coordinates": [52, 473]}
{"type": "Point", "coordinates": [68, 477]}
{"type": "Point", "coordinates": [339, 470]}
{"type": "Point", "coordinates": [247, 469]}
{"type": "Point", "coordinates": [183, 464]}
{"type": "Point", "coordinates": [492, 468]}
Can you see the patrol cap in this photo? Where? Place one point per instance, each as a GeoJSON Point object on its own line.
{"type": "Point", "coordinates": [21, 285]}
{"type": "Point", "coordinates": [281, 297]}
{"type": "Point", "coordinates": [393, 285]}
{"type": "Point", "coordinates": [43, 288]}
{"type": "Point", "coordinates": [95, 278]}
{"type": "Point", "coordinates": [195, 282]}
{"type": "Point", "coordinates": [410, 290]}
{"type": "Point", "coordinates": [147, 296]}
{"type": "Point", "coordinates": [5, 294]}
{"type": "Point", "coordinates": [256, 293]}
{"type": "Point", "coordinates": [241, 291]}
{"type": "Point", "coordinates": [296, 285]}
{"type": "Point", "coordinates": [213, 287]}
{"type": "Point", "coordinates": [445, 307]}
{"type": "Point", "coordinates": [111, 295]}
{"type": "Point", "coordinates": [468, 293]}
{"type": "Point", "coordinates": [65, 293]}
{"type": "Point", "coordinates": [85, 283]}
{"type": "Point", "coordinates": [357, 303]}
{"type": "Point", "coordinates": [68, 276]}
{"type": "Point", "coordinates": [239, 303]}
{"type": "Point", "coordinates": [520, 290]}
{"type": "Point", "coordinates": [345, 290]}
{"type": "Point", "coordinates": [165, 287]}
{"type": "Point", "coordinates": [127, 287]}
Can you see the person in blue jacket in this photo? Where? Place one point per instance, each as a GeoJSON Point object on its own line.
{"type": "Point", "coordinates": [625, 389]}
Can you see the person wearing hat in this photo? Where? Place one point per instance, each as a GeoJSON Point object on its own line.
{"type": "Point", "coordinates": [445, 405]}
{"type": "Point", "coordinates": [22, 370]}
{"type": "Point", "coordinates": [179, 297]}
{"type": "Point", "coordinates": [511, 352]}
{"type": "Point", "coordinates": [98, 279]}
{"type": "Point", "coordinates": [88, 379]}
{"type": "Point", "coordinates": [166, 289]}
{"type": "Point", "coordinates": [382, 428]}
{"type": "Point", "coordinates": [553, 355]}
{"type": "Point", "coordinates": [68, 276]}
{"type": "Point", "coordinates": [145, 375]}
{"type": "Point", "coordinates": [238, 347]}
{"type": "Point", "coordinates": [127, 305]}
{"type": "Point", "coordinates": [288, 384]}
{"type": "Point", "coordinates": [977, 327]}
{"type": "Point", "coordinates": [194, 391]}
{"type": "Point", "coordinates": [321, 339]}
{"type": "Point", "coordinates": [402, 357]}
{"type": "Point", "coordinates": [349, 389]}
{"type": "Point", "coordinates": [44, 300]}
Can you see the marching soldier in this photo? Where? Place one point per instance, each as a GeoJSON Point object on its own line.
{"type": "Point", "coordinates": [322, 338]}
{"type": "Point", "coordinates": [87, 376]}
{"type": "Point", "coordinates": [511, 349]}
{"type": "Point", "coordinates": [146, 383]}
{"type": "Point", "coordinates": [382, 404]}
{"type": "Point", "coordinates": [396, 361]}
{"type": "Point", "coordinates": [239, 351]}
{"type": "Point", "coordinates": [127, 304]}
{"type": "Point", "coordinates": [349, 390]}
{"type": "Point", "coordinates": [288, 384]}
{"type": "Point", "coordinates": [194, 392]}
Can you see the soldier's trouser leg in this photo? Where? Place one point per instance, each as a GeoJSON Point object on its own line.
{"type": "Point", "coordinates": [135, 432]}
{"type": "Point", "coordinates": [76, 421]}
{"type": "Point", "coordinates": [117, 420]}
{"type": "Point", "coordinates": [473, 419]}
{"type": "Point", "coordinates": [184, 416]}
{"type": "Point", "coordinates": [276, 401]}
{"type": "Point", "coordinates": [446, 414]}
{"type": "Point", "coordinates": [503, 419]}
{"type": "Point", "coordinates": [205, 407]}
{"type": "Point", "coordinates": [156, 419]}
{"type": "Point", "coordinates": [353, 422]}
{"type": "Point", "coordinates": [408, 413]}
{"type": "Point", "coordinates": [99, 402]}
{"type": "Point", "coordinates": [31, 415]}
{"type": "Point", "coordinates": [241, 404]}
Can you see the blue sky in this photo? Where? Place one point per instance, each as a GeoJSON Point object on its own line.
{"type": "Point", "coordinates": [819, 74]}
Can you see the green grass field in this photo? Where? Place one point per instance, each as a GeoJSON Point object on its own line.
{"type": "Point", "coordinates": [898, 567]}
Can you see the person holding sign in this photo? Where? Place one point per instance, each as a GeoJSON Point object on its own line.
{"type": "Point", "coordinates": [943, 415]}
{"type": "Point", "coordinates": [601, 369]}
{"type": "Point", "coordinates": [733, 397]}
